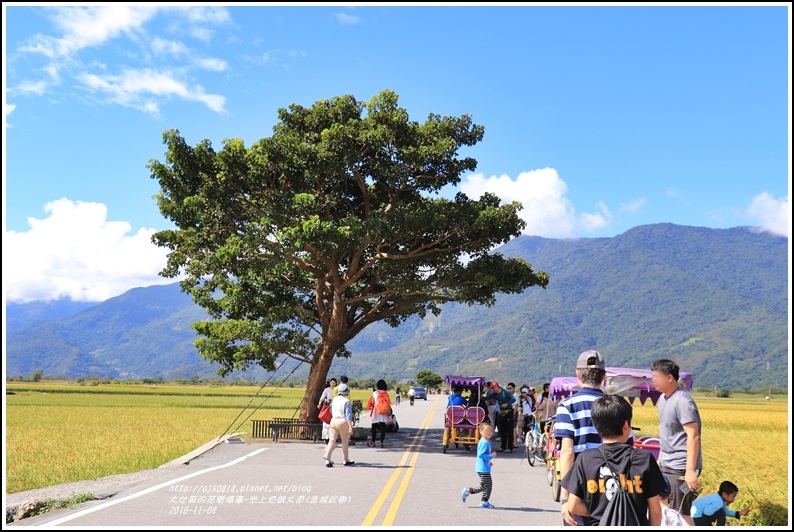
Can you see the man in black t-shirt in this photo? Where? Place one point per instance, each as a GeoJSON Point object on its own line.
{"type": "Point", "coordinates": [590, 482]}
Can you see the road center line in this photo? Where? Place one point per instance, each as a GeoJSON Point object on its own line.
{"type": "Point", "coordinates": [412, 452]}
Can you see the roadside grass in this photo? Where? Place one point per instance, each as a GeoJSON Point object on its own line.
{"type": "Point", "coordinates": [57, 433]}
{"type": "Point", "coordinates": [47, 506]}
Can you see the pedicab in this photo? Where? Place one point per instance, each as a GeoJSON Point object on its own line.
{"type": "Point", "coordinates": [631, 384]}
{"type": "Point", "coordinates": [462, 423]}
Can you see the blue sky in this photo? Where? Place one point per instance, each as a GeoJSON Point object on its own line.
{"type": "Point", "coordinates": [598, 119]}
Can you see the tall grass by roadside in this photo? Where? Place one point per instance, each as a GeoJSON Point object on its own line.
{"type": "Point", "coordinates": [60, 433]}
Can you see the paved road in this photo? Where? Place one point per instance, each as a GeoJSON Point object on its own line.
{"type": "Point", "coordinates": [409, 483]}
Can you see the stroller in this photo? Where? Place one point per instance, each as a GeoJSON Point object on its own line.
{"type": "Point", "coordinates": [392, 425]}
{"type": "Point", "coordinates": [356, 407]}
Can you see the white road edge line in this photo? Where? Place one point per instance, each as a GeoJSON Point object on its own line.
{"type": "Point", "coordinates": [146, 491]}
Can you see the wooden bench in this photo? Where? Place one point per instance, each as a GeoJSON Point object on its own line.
{"type": "Point", "coordinates": [286, 429]}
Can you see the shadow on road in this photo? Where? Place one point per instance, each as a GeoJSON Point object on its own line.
{"type": "Point", "coordinates": [432, 443]}
{"type": "Point", "coordinates": [554, 512]}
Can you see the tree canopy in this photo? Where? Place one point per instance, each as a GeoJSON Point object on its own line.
{"type": "Point", "coordinates": [428, 379]}
{"type": "Point", "coordinates": [296, 243]}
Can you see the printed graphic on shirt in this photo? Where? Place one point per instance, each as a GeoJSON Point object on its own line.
{"type": "Point", "coordinates": [606, 484]}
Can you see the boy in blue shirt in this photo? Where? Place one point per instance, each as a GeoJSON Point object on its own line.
{"type": "Point", "coordinates": [714, 507]}
{"type": "Point", "coordinates": [456, 399]}
{"type": "Point", "coordinates": [483, 467]}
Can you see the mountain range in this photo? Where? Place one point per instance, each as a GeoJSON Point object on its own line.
{"type": "Point", "coordinates": [714, 300]}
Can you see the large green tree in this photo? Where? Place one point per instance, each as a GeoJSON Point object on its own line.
{"type": "Point", "coordinates": [428, 379]}
{"type": "Point", "coordinates": [298, 242]}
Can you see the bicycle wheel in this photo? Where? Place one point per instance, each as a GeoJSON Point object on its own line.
{"type": "Point", "coordinates": [543, 448]}
{"type": "Point", "coordinates": [529, 450]}
{"type": "Point", "coordinates": [550, 471]}
{"type": "Point", "coordinates": [555, 485]}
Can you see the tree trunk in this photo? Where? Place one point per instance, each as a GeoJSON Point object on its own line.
{"type": "Point", "coordinates": [316, 383]}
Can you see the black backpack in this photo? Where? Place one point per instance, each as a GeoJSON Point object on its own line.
{"type": "Point", "coordinates": [621, 509]}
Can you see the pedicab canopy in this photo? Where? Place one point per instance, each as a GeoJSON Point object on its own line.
{"type": "Point", "coordinates": [467, 383]}
{"type": "Point", "coordinates": [630, 383]}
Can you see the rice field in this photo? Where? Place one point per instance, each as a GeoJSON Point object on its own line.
{"type": "Point", "coordinates": [57, 433]}
{"type": "Point", "coordinates": [746, 442]}
{"type": "Point", "coordinates": [65, 433]}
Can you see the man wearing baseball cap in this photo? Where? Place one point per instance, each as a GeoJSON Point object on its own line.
{"type": "Point", "coordinates": [574, 423]}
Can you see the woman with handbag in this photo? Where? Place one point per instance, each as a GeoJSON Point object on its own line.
{"type": "Point", "coordinates": [341, 425]}
{"type": "Point", "coordinates": [325, 399]}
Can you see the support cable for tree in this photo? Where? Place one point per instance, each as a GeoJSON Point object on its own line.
{"type": "Point", "coordinates": [251, 399]}
{"type": "Point", "coordinates": [265, 399]}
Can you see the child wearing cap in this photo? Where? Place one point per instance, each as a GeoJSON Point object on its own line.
{"type": "Point", "coordinates": [526, 409]}
{"type": "Point", "coordinates": [483, 467]}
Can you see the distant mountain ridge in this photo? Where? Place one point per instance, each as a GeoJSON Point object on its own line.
{"type": "Point", "coordinates": [714, 300]}
{"type": "Point", "coordinates": [19, 315]}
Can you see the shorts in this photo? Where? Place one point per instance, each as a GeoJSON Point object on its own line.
{"type": "Point", "coordinates": [520, 422]}
{"type": "Point", "coordinates": [678, 500]}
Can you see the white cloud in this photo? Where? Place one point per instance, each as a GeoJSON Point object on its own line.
{"type": "Point", "coordinates": [76, 252]}
{"type": "Point", "coordinates": [78, 28]}
{"type": "Point", "coordinates": [162, 46]}
{"type": "Point", "coordinates": [135, 88]}
{"type": "Point", "coordinates": [597, 220]}
{"type": "Point", "coordinates": [342, 18]}
{"type": "Point", "coordinates": [218, 65]}
{"type": "Point", "coordinates": [278, 57]}
{"type": "Point", "coordinates": [32, 87]}
{"type": "Point", "coordinates": [547, 209]}
{"type": "Point", "coordinates": [8, 108]}
{"type": "Point", "coordinates": [211, 14]}
{"type": "Point", "coordinates": [84, 27]}
{"type": "Point", "coordinates": [773, 215]}
{"type": "Point", "coordinates": [632, 207]}
{"type": "Point", "coordinates": [201, 18]}
{"type": "Point", "coordinates": [52, 72]}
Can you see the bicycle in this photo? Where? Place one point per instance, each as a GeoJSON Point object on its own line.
{"type": "Point", "coordinates": [552, 456]}
{"type": "Point", "coordinates": [534, 442]}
